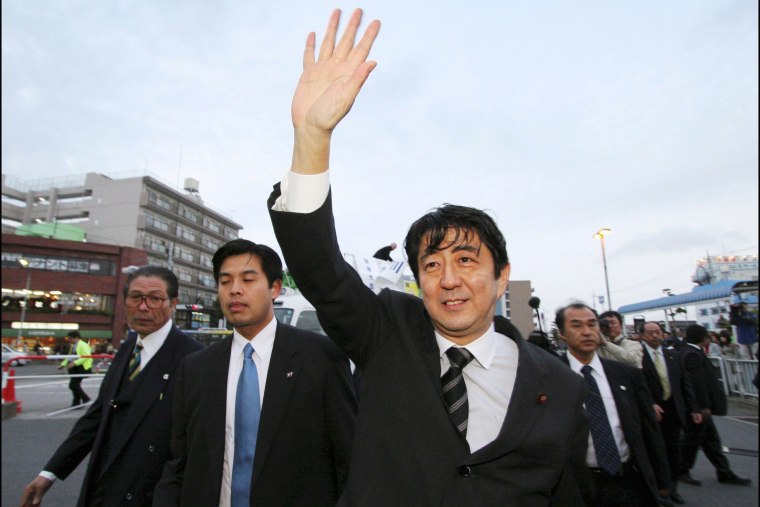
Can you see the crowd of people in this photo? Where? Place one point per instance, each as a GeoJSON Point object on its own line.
{"type": "Point", "coordinates": [456, 407]}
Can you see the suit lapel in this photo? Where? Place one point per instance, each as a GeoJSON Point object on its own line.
{"type": "Point", "coordinates": [157, 375]}
{"type": "Point", "coordinates": [284, 369]}
{"type": "Point", "coordinates": [215, 374]}
{"type": "Point", "coordinates": [525, 405]}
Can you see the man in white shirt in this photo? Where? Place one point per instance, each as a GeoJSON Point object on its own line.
{"type": "Point", "coordinates": [266, 416]}
{"type": "Point", "coordinates": [626, 455]}
{"type": "Point", "coordinates": [127, 429]}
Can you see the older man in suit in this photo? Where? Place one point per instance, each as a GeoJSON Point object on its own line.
{"type": "Point", "coordinates": [127, 429]}
{"type": "Point", "coordinates": [285, 442]}
{"type": "Point", "coordinates": [457, 409]}
{"type": "Point", "coordinates": [626, 455]}
{"type": "Point", "coordinates": [671, 390]}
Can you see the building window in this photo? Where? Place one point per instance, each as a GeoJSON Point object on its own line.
{"type": "Point", "coordinates": [205, 260]}
{"type": "Point", "coordinates": [184, 275]}
{"type": "Point", "coordinates": [188, 214]}
{"type": "Point", "coordinates": [160, 200]}
{"type": "Point", "coordinates": [212, 225]}
{"type": "Point", "coordinates": [185, 233]}
{"type": "Point", "coordinates": [157, 222]}
{"type": "Point", "coordinates": [210, 242]}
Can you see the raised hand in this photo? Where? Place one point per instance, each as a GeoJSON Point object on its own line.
{"type": "Point", "coordinates": [327, 89]}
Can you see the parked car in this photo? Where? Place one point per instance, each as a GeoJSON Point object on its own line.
{"type": "Point", "coordinates": [9, 353]}
{"type": "Point", "coordinates": [297, 311]}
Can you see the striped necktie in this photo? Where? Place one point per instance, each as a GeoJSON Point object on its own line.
{"type": "Point", "coordinates": [134, 362]}
{"type": "Point", "coordinates": [607, 454]}
{"type": "Point", "coordinates": [454, 388]}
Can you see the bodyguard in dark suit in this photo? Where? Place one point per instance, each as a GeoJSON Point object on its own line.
{"type": "Point", "coordinates": [674, 402]}
{"type": "Point", "coordinates": [626, 455]}
{"type": "Point", "coordinates": [711, 400]}
{"type": "Point", "coordinates": [298, 449]}
{"type": "Point", "coordinates": [457, 409]}
{"type": "Point", "coordinates": [127, 429]}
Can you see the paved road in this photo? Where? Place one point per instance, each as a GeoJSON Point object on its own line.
{"type": "Point", "coordinates": [29, 439]}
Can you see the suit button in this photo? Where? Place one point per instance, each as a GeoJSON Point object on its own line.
{"type": "Point", "coordinates": [151, 448]}
{"type": "Point", "coordinates": [129, 497]}
{"type": "Point", "coordinates": [464, 471]}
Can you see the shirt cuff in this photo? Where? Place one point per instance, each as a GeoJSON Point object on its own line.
{"type": "Point", "coordinates": [302, 193]}
{"type": "Point", "coordinates": [48, 475]}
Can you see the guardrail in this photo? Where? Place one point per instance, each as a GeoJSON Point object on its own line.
{"type": "Point", "coordinates": [9, 374]}
{"type": "Point", "coordinates": [736, 376]}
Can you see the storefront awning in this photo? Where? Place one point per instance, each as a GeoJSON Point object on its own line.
{"type": "Point", "coordinates": [718, 291]}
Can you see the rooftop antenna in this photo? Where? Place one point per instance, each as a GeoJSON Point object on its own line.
{"type": "Point", "coordinates": [179, 166]}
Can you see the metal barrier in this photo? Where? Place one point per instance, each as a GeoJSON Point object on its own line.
{"type": "Point", "coordinates": [9, 375]}
{"type": "Point", "coordinates": [736, 375]}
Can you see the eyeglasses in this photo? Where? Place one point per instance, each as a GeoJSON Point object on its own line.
{"type": "Point", "coordinates": [135, 300]}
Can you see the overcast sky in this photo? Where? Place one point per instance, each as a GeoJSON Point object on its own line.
{"type": "Point", "coordinates": [559, 117]}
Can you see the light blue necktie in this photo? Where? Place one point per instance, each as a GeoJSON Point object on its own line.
{"type": "Point", "coordinates": [247, 413]}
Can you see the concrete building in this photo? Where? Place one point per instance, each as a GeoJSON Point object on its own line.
{"type": "Point", "coordinates": [175, 228]}
{"type": "Point", "coordinates": [514, 306]}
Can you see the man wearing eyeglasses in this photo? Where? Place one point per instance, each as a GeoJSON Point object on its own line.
{"type": "Point", "coordinates": [127, 429]}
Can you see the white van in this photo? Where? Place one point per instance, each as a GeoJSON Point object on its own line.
{"type": "Point", "coordinates": [295, 310]}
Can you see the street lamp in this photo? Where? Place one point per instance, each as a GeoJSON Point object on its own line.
{"type": "Point", "coordinates": [25, 264]}
{"type": "Point", "coordinates": [600, 234]}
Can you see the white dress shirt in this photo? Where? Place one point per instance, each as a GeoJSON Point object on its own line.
{"type": "Point", "coordinates": [609, 406]}
{"type": "Point", "coordinates": [262, 352]}
{"type": "Point", "coordinates": [151, 343]}
{"type": "Point", "coordinates": [490, 378]}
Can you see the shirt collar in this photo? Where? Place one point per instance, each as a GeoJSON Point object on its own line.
{"type": "Point", "coordinates": [483, 348]}
{"type": "Point", "coordinates": [694, 345]}
{"type": "Point", "coordinates": [153, 341]}
{"type": "Point", "coordinates": [576, 365]}
{"type": "Point", "coordinates": [652, 350]}
{"type": "Point", "coordinates": [262, 343]}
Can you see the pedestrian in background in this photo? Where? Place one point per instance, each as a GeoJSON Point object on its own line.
{"type": "Point", "coordinates": [711, 401]}
{"type": "Point", "coordinates": [79, 366]}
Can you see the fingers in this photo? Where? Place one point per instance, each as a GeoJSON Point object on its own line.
{"type": "Point", "coordinates": [328, 43]}
{"type": "Point", "coordinates": [308, 52]}
{"type": "Point", "coordinates": [361, 51]}
{"type": "Point", "coordinates": [349, 36]}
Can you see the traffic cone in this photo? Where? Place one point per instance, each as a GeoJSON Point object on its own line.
{"type": "Point", "coordinates": [9, 391]}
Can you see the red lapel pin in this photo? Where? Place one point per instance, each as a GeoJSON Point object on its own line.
{"type": "Point", "coordinates": [541, 398]}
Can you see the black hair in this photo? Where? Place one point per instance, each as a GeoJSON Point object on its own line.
{"type": "Point", "coordinates": [612, 313]}
{"type": "Point", "coordinates": [695, 334]}
{"type": "Point", "coordinates": [270, 261]}
{"type": "Point", "coordinates": [654, 322]}
{"type": "Point", "coordinates": [433, 228]}
{"type": "Point", "coordinates": [73, 334]}
{"type": "Point", "coordinates": [165, 274]}
{"type": "Point", "coordinates": [559, 317]}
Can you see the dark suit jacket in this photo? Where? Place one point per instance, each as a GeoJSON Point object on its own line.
{"type": "Point", "coordinates": [134, 464]}
{"type": "Point", "coordinates": [639, 424]}
{"type": "Point", "coordinates": [305, 431]}
{"type": "Point", "coordinates": [681, 391]}
{"type": "Point", "coordinates": [707, 388]}
{"type": "Point", "coordinates": [407, 450]}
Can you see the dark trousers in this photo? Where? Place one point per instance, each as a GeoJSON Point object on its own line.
{"type": "Point", "coordinates": [706, 436]}
{"type": "Point", "coordinates": [627, 489]}
{"type": "Point", "coordinates": [670, 426]}
{"type": "Point", "coordinates": [75, 384]}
